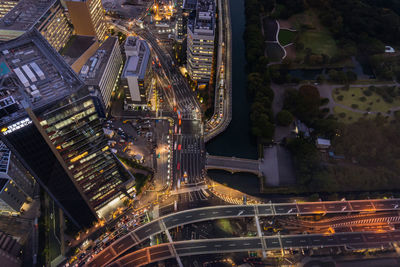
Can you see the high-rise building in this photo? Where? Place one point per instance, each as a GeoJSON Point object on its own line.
{"type": "Point", "coordinates": [102, 70]}
{"type": "Point", "coordinates": [88, 17]}
{"type": "Point", "coordinates": [6, 6]}
{"type": "Point", "coordinates": [200, 41]}
{"type": "Point", "coordinates": [47, 16]}
{"type": "Point", "coordinates": [179, 31]}
{"type": "Point", "coordinates": [16, 183]}
{"type": "Point", "coordinates": [50, 121]}
{"type": "Point", "coordinates": [137, 73]}
{"type": "Point", "coordinates": [11, 197]}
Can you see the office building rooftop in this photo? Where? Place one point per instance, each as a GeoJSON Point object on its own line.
{"type": "Point", "coordinates": [33, 75]}
{"type": "Point", "coordinates": [93, 70]}
{"type": "Point", "coordinates": [77, 45]}
{"type": "Point", "coordinates": [138, 54]}
{"type": "Point", "coordinates": [205, 14]}
{"type": "Point", "coordinates": [25, 14]}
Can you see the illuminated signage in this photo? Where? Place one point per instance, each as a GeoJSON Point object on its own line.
{"type": "Point", "coordinates": [15, 126]}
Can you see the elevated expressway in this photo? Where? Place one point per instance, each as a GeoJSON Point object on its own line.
{"type": "Point", "coordinates": [350, 240]}
{"type": "Point", "coordinates": [233, 164]}
{"type": "Point", "coordinates": [164, 223]}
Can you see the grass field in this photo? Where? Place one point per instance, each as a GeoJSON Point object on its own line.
{"type": "Point", "coordinates": [316, 36]}
{"type": "Point", "coordinates": [286, 37]}
{"type": "Point", "coordinates": [349, 116]}
{"type": "Point", "coordinates": [320, 42]}
{"type": "Point", "coordinates": [354, 95]}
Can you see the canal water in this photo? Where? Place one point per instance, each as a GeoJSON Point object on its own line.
{"type": "Point", "coordinates": [237, 140]}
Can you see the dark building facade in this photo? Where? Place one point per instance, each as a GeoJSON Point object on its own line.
{"type": "Point", "coordinates": [50, 121]}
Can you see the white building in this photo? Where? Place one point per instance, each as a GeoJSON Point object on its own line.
{"type": "Point", "coordinates": [200, 41]}
{"type": "Point", "coordinates": [323, 143]}
{"type": "Point", "coordinates": [136, 75]}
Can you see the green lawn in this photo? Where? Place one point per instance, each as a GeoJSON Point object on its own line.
{"type": "Point", "coordinates": [286, 37]}
{"type": "Point", "coordinates": [316, 36]}
{"type": "Point", "coordinates": [354, 95]}
{"type": "Point", "coordinates": [319, 41]}
{"type": "Point", "coordinates": [349, 116]}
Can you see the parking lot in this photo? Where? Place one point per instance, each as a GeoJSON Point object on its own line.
{"type": "Point", "coordinates": [146, 141]}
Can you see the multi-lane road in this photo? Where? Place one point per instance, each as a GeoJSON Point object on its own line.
{"type": "Point", "coordinates": [216, 212]}
{"type": "Point", "coordinates": [223, 245]}
{"type": "Point", "coordinates": [185, 99]}
{"type": "Point", "coordinates": [189, 156]}
{"type": "Point", "coordinates": [189, 151]}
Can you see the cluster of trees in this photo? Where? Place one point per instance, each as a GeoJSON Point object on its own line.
{"type": "Point", "coordinates": [311, 175]}
{"type": "Point", "coordinates": [372, 145]}
{"type": "Point", "coordinates": [386, 67]}
{"type": "Point", "coordinates": [360, 24]}
{"type": "Point", "coordinates": [363, 26]}
{"type": "Point", "coordinates": [375, 146]}
{"type": "Point", "coordinates": [261, 116]}
{"type": "Point", "coordinates": [284, 117]}
{"type": "Point", "coordinates": [390, 4]}
{"type": "Point", "coordinates": [340, 76]}
{"type": "Point", "coordinates": [286, 8]}
{"type": "Point", "coordinates": [305, 104]}
{"type": "Point", "coordinates": [281, 75]}
{"type": "Point", "coordinates": [254, 39]}
{"type": "Point", "coordinates": [388, 93]}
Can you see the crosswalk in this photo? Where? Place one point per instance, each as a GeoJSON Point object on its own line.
{"type": "Point", "coordinates": [369, 221]}
{"type": "Point", "coordinates": [194, 196]}
{"type": "Point", "coordinates": [190, 159]}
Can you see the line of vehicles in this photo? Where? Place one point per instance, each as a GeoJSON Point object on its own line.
{"type": "Point", "coordinates": [125, 225]}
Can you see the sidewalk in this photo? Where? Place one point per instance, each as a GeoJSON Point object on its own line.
{"type": "Point", "coordinates": [231, 195]}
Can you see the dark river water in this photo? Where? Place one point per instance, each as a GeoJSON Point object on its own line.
{"type": "Point", "coordinates": [237, 140]}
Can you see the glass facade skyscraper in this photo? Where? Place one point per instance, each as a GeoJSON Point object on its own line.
{"type": "Point", "coordinates": [76, 132]}
{"type": "Point", "coordinates": [50, 120]}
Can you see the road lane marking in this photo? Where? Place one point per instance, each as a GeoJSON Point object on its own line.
{"type": "Point", "coordinates": [147, 230]}
{"type": "Point", "coordinates": [232, 245]}
{"type": "Point", "coordinates": [217, 246]}
{"type": "Point", "coordinates": [189, 216]}
{"type": "Point", "coordinates": [246, 244]}
{"type": "Point", "coordinates": [215, 212]}
{"type": "Point", "coordinates": [192, 247]}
